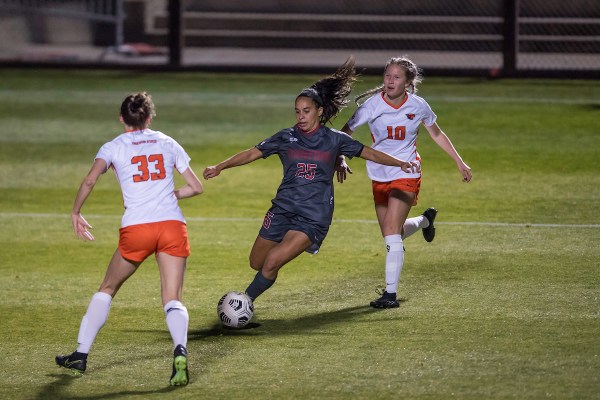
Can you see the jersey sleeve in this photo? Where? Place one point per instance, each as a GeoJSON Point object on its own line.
{"type": "Point", "coordinates": [182, 160]}
{"type": "Point", "coordinates": [271, 145]}
{"type": "Point", "coordinates": [361, 116]}
{"type": "Point", "coordinates": [350, 147]}
{"type": "Point", "coordinates": [106, 154]}
{"type": "Point", "coordinates": [429, 116]}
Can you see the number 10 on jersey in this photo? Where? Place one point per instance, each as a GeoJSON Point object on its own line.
{"type": "Point", "coordinates": [396, 133]}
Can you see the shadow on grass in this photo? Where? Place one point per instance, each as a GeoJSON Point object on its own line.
{"type": "Point", "coordinates": [56, 390]}
{"type": "Point", "coordinates": [304, 325]}
{"type": "Point", "coordinates": [64, 379]}
{"type": "Point", "coordinates": [288, 326]}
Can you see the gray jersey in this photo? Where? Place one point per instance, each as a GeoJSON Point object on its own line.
{"type": "Point", "coordinates": [308, 167]}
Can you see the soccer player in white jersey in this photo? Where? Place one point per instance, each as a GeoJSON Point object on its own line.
{"type": "Point", "coordinates": [144, 162]}
{"type": "Point", "coordinates": [394, 114]}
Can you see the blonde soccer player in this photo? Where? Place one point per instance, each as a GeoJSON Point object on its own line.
{"type": "Point", "coordinates": [394, 114]}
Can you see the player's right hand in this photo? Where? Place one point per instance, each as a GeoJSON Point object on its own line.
{"type": "Point", "coordinates": [80, 226]}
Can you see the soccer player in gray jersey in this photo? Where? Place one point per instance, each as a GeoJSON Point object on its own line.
{"type": "Point", "coordinates": [302, 209]}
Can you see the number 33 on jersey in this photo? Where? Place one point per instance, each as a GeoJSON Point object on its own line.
{"type": "Point", "coordinates": [158, 165]}
{"type": "Point", "coordinates": [145, 161]}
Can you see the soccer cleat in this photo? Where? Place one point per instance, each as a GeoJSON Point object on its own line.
{"type": "Point", "coordinates": [180, 369]}
{"type": "Point", "coordinates": [76, 362]}
{"type": "Point", "coordinates": [387, 300]}
{"type": "Point", "coordinates": [429, 232]}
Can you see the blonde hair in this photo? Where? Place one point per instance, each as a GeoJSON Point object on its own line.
{"type": "Point", "coordinates": [413, 75]}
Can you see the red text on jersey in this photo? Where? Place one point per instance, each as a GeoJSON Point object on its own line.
{"type": "Point", "coordinates": [144, 163]}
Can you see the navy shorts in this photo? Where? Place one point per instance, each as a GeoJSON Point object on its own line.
{"type": "Point", "coordinates": [278, 222]}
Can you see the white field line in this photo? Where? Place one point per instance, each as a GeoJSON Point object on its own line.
{"type": "Point", "coordinates": [91, 217]}
{"type": "Point", "coordinates": [198, 98]}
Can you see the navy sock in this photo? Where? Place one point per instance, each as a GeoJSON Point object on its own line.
{"type": "Point", "coordinates": [258, 285]}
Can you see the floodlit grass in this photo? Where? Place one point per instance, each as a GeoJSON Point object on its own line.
{"type": "Point", "coordinates": [505, 303]}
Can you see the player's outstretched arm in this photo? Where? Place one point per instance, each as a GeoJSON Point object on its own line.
{"type": "Point", "coordinates": [379, 157]}
{"type": "Point", "coordinates": [241, 158]}
{"type": "Point", "coordinates": [80, 225]}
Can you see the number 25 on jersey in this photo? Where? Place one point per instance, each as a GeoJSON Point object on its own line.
{"type": "Point", "coordinates": [154, 161]}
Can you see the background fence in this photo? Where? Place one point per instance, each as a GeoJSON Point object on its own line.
{"type": "Point", "coordinates": [29, 25]}
{"type": "Point", "coordinates": [470, 37]}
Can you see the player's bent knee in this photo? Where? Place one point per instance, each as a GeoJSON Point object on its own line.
{"type": "Point", "coordinates": [270, 269]}
{"type": "Point", "coordinates": [255, 265]}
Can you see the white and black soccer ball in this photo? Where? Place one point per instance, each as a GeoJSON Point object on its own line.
{"type": "Point", "coordinates": [235, 309]}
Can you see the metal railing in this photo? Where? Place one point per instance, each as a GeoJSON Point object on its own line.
{"type": "Point", "coordinates": [110, 11]}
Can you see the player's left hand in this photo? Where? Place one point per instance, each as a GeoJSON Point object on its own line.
{"type": "Point", "coordinates": [465, 171]}
{"type": "Point", "coordinates": [341, 168]}
{"type": "Point", "coordinates": [211, 172]}
{"type": "Point", "coordinates": [411, 167]}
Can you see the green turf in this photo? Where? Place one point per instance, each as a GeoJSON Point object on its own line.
{"type": "Point", "coordinates": [505, 303]}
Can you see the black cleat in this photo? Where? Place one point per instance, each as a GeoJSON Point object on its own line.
{"type": "Point", "coordinates": [76, 362]}
{"type": "Point", "coordinates": [429, 232]}
{"type": "Point", "coordinates": [180, 376]}
{"type": "Point", "coordinates": [387, 300]}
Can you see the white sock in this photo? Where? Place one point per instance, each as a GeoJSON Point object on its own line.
{"type": "Point", "coordinates": [393, 262]}
{"type": "Point", "coordinates": [93, 320]}
{"type": "Point", "coordinates": [177, 322]}
{"type": "Point", "coordinates": [411, 225]}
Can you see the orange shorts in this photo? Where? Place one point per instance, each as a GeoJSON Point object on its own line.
{"type": "Point", "coordinates": [381, 190]}
{"type": "Point", "coordinates": [136, 242]}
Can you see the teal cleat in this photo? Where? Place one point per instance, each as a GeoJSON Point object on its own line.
{"type": "Point", "coordinates": [180, 370]}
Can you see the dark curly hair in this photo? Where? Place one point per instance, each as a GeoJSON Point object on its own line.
{"type": "Point", "coordinates": [332, 92]}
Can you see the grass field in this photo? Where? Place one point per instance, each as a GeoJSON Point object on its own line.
{"type": "Point", "coordinates": [504, 303]}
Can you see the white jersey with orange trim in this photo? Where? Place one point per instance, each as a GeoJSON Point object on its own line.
{"type": "Point", "coordinates": [144, 161]}
{"type": "Point", "coordinates": [394, 131]}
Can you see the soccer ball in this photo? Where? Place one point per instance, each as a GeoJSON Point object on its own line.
{"type": "Point", "coordinates": [235, 309]}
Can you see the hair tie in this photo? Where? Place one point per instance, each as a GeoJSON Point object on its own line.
{"type": "Point", "coordinates": [313, 94]}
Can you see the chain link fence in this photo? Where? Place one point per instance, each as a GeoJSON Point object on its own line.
{"type": "Point", "coordinates": [471, 37]}
{"type": "Point", "coordinates": [58, 31]}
